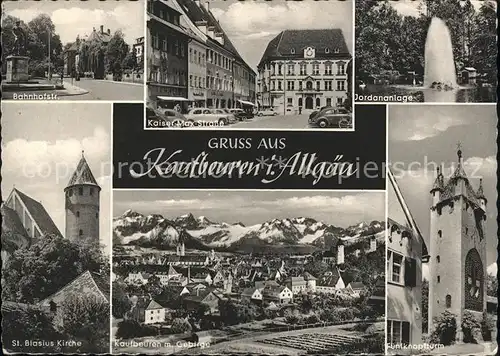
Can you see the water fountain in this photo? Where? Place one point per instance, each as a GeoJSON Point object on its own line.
{"type": "Point", "coordinates": [439, 63]}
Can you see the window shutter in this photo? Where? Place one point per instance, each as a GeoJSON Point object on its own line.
{"type": "Point", "coordinates": [410, 272]}
{"type": "Point", "coordinates": [405, 334]}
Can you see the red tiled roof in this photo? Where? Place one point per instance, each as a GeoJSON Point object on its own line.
{"type": "Point", "coordinates": [39, 214]}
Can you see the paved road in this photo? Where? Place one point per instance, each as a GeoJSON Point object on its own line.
{"type": "Point", "coordinates": [274, 122]}
{"type": "Point", "coordinates": [107, 90]}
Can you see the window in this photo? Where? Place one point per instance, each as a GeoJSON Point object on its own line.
{"type": "Point", "coordinates": [439, 279]}
{"type": "Point", "coordinates": [91, 191]}
{"type": "Point", "coordinates": [280, 85]}
{"type": "Point", "coordinates": [289, 101]}
{"type": "Point", "coordinates": [280, 69]}
{"type": "Point", "coordinates": [291, 69]}
{"type": "Point", "coordinates": [290, 85]}
{"type": "Point", "coordinates": [292, 51]}
{"type": "Point", "coordinates": [300, 85]}
{"type": "Point", "coordinates": [70, 192]}
{"type": "Point", "coordinates": [327, 50]}
{"type": "Point", "coordinates": [316, 69]}
{"type": "Point", "coordinates": [80, 191]}
{"type": "Point", "coordinates": [341, 69]}
{"type": "Point", "coordinates": [397, 261]}
{"type": "Point", "coordinates": [448, 301]}
{"type": "Point", "coordinates": [410, 272]}
{"type": "Point", "coordinates": [438, 258]}
{"type": "Point", "coordinates": [318, 102]}
{"type": "Point", "coordinates": [191, 55]}
{"type": "Point", "coordinates": [340, 85]}
{"type": "Point", "coordinates": [303, 69]}
{"type": "Point", "coordinates": [328, 101]}
{"type": "Point", "coordinates": [398, 332]}
{"type": "Point", "coordinates": [474, 281]}
{"type": "Point", "coordinates": [156, 41]}
{"type": "Point", "coordinates": [328, 69]}
{"type": "Point", "coordinates": [77, 214]}
{"type": "Point", "coordinates": [300, 101]}
{"type": "Point", "coordinates": [191, 81]}
{"type": "Point", "coordinates": [80, 232]}
{"type": "Point", "coordinates": [328, 85]}
{"type": "Point", "coordinates": [318, 85]}
{"type": "Point", "coordinates": [440, 233]}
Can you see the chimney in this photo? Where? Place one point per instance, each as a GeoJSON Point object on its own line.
{"type": "Point", "coordinates": [93, 29]}
{"type": "Point", "coordinates": [207, 5]}
{"type": "Point", "coordinates": [102, 29]}
{"type": "Point", "coordinates": [109, 31]}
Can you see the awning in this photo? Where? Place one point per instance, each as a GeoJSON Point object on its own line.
{"type": "Point", "coordinates": [246, 102]}
{"type": "Point", "coordinates": [172, 98]}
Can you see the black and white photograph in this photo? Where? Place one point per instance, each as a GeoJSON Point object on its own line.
{"type": "Point", "coordinates": [442, 277]}
{"type": "Point", "coordinates": [73, 50]}
{"type": "Point", "coordinates": [56, 227]}
{"type": "Point", "coordinates": [249, 64]}
{"type": "Point", "coordinates": [253, 272]}
{"type": "Point", "coordinates": [426, 51]}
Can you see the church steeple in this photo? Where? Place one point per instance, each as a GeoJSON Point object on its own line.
{"type": "Point", "coordinates": [480, 195]}
{"type": "Point", "coordinates": [459, 171]}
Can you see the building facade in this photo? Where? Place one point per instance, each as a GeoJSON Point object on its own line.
{"type": "Point", "coordinates": [405, 251]}
{"type": "Point", "coordinates": [197, 93]}
{"type": "Point", "coordinates": [457, 264]}
{"type": "Point", "coordinates": [167, 52]}
{"type": "Point", "coordinates": [82, 205]}
{"type": "Point", "coordinates": [304, 70]}
{"type": "Point", "coordinates": [138, 48]}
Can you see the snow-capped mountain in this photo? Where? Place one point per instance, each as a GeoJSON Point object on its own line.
{"type": "Point", "coordinates": [135, 228]}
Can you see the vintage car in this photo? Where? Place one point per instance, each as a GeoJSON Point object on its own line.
{"type": "Point", "coordinates": [241, 114]}
{"type": "Point", "coordinates": [267, 112]}
{"type": "Point", "coordinates": [331, 117]}
{"type": "Point", "coordinates": [210, 115]}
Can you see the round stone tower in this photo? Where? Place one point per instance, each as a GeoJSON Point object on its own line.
{"type": "Point", "coordinates": [82, 205]}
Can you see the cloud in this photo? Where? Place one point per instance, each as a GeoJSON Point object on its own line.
{"type": "Point", "coordinates": [481, 167]}
{"type": "Point", "coordinates": [424, 126]}
{"type": "Point", "coordinates": [73, 21]}
{"type": "Point", "coordinates": [259, 19]}
{"type": "Point", "coordinates": [46, 158]}
{"type": "Point", "coordinates": [407, 8]}
{"type": "Point", "coordinates": [492, 269]}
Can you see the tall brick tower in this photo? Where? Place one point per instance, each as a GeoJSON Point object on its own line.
{"type": "Point", "coordinates": [457, 264]}
{"type": "Point", "coordinates": [82, 205]}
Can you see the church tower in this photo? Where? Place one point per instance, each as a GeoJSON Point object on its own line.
{"type": "Point", "coordinates": [181, 247]}
{"type": "Point", "coordinates": [457, 264]}
{"type": "Point", "coordinates": [82, 205]}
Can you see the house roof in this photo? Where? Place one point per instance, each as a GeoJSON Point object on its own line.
{"type": "Point", "coordinates": [82, 175]}
{"type": "Point", "coordinates": [357, 285]}
{"type": "Point", "coordinates": [39, 214]}
{"type": "Point", "coordinates": [153, 305]}
{"type": "Point", "coordinates": [248, 292]}
{"type": "Point", "coordinates": [13, 231]}
{"type": "Point", "coordinates": [97, 35]}
{"type": "Point", "coordinates": [200, 295]}
{"type": "Point", "coordinates": [192, 258]}
{"type": "Point", "coordinates": [86, 283]}
{"type": "Point", "coordinates": [291, 43]}
{"type": "Point", "coordinates": [309, 277]}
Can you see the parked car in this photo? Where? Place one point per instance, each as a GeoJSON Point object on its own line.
{"type": "Point", "coordinates": [331, 117]}
{"type": "Point", "coordinates": [267, 112]}
{"type": "Point", "coordinates": [241, 114]}
{"type": "Point", "coordinates": [167, 115]}
{"type": "Point", "coordinates": [211, 115]}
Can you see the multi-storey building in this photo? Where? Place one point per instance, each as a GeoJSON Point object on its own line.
{"type": "Point", "coordinates": [244, 84]}
{"type": "Point", "coordinates": [138, 48]}
{"type": "Point", "coordinates": [221, 56]}
{"type": "Point", "coordinates": [303, 70]}
{"type": "Point", "coordinates": [167, 52]}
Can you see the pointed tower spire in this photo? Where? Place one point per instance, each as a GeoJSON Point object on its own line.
{"type": "Point", "coordinates": [459, 171]}
{"type": "Point", "coordinates": [438, 182]}
{"type": "Point", "coordinates": [480, 192]}
{"type": "Point", "coordinates": [82, 174]}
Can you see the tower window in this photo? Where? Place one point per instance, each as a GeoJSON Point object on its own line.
{"type": "Point", "coordinates": [80, 191]}
{"type": "Point", "coordinates": [439, 279]}
{"type": "Point", "coordinates": [448, 301]}
{"type": "Point", "coordinates": [438, 259]}
{"type": "Point", "coordinates": [77, 214]}
{"type": "Point", "coordinates": [70, 192]}
{"type": "Point", "coordinates": [80, 233]}
{"type": "Point", "coordinates": [440, 233]}
{"type": "Point", "coordinates": [91, 191]}
{"type": "Point", "coordinates": [466, 230]}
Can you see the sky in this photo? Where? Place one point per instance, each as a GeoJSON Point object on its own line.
{"type": "Point", "coordinates": [42, 144]}
{"type": "Point", "coordinates": [411, 7]}
{"type": "Point", "coordinates": [341, 209]}
{"type": "Point", "coordinates": [250, 25]}
{"type": "Point", "coordinates": [74, 17]}
{"type": "Point", "coordinates": [421, 136]}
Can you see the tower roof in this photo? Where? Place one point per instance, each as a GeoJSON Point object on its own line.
{"type": "Point", "coordinates": [438, 183]}
{"type": "Point", "coordinates": [480, 192]}
{"type": "Point", "coordinates": [82, 174]}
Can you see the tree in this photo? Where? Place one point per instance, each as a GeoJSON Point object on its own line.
{"type": "Point", "coordinates": [86, 318]}
{"type": "Point", "coordinates": [120, 301]}
{"type": "Point", "coordinates": [30, 324]}
{"type": "Point", "coordinates": [471, 327]}
{"type": "Point", "coordinates": [130, 61]}
{"type": "Point", "coordinates": [180, 326]}
{"type": "Point", "coordinates": [445, 328]}
{"type": "Point", "coordinates": [51, 262]}
{"type": "Point", "coordinates": [128, 329]}
{"type": "Point", "coordinates": [153, 287]}
{"type": "Point", "coordinates": [425, 306]}
{"type": "Point", "coordinates": [116, 51]}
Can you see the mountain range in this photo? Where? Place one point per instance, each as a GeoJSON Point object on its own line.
{"type": "Point", "coordinates": [202, 233]}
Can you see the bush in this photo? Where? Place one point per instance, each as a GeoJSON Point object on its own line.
{"type": "Point", "coordinates": [445, 329]}
{"type": "Point", "coordinates": [292, 319]}
{"type": "Point", "coordinates": [487, 326]}
{"type": "Point", "coordinates": [471, 327]}
{"type": "Point", "coordinates": [180, 326]}
{"type": "Point", "coordinates": [312, 319]}
{"type": "Point", "coordinates": [127, 329]}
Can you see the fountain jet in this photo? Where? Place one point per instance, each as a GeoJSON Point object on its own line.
{"type": "Point", "coordinates": [439, 63]}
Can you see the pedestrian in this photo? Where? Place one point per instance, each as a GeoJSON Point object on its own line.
{"type": "Point", "coordinates": [300, 110]}
{"type": "Point", "coordinates": [177, 108]}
